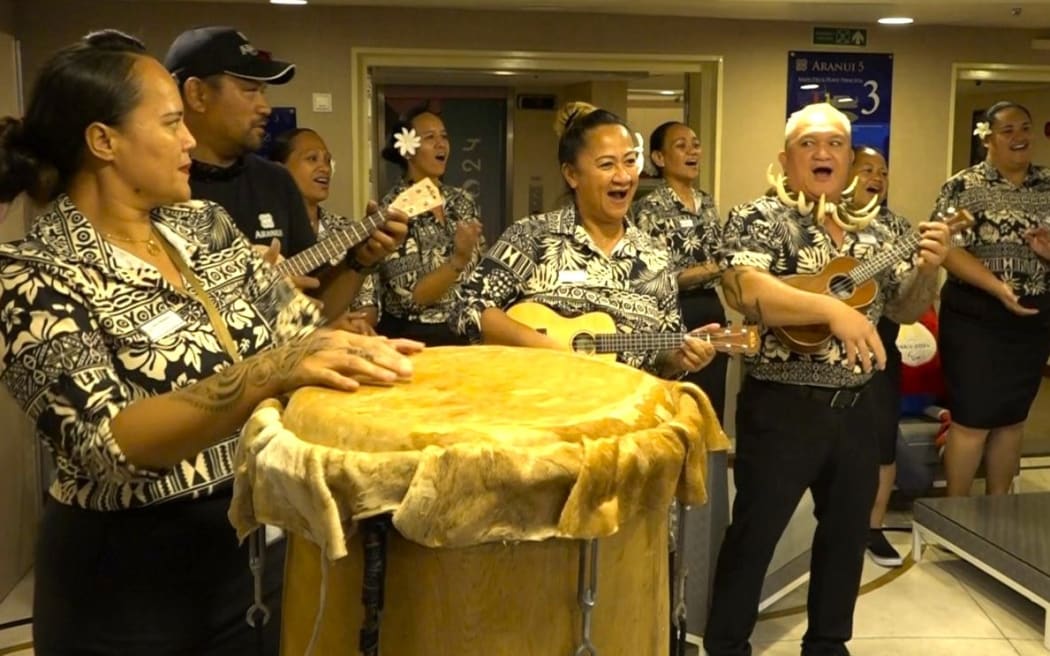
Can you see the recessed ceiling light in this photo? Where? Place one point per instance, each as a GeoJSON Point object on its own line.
{"type": "Point", "coordinates": [896, 20]}
{"type": "Point", "coordinates": [288, 2]}
{"type": "Point", "coordinates": [809, 87]}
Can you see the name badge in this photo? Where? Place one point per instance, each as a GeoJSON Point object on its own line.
{"type": "Point", "coordinates": [867, 238]}
{"type": "Point", "coordinates": [572, 275]}
{"type": "Point", "coordinates": [685, 223]}
{"type": "Point", "coordinates": [161, 326]}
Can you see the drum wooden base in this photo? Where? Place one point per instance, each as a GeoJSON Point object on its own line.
{"type": "Point", "coordinates": [514, 599]}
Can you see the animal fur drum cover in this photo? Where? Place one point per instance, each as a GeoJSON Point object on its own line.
{"type": "Point", "coordinates": [493, 463]}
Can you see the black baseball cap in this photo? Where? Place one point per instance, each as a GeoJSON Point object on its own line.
{"type": "Point", "coordinates": [212, 50]}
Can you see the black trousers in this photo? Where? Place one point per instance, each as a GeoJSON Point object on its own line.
{"type": "Point", "coordinates": [166, 580]}
{"type": "Point", "coordinates": [788, 442]}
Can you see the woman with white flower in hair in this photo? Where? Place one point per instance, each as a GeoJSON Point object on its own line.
{"type": "Point", "coordinates": [415, 283]}
{"type": "Point", "coordinates": [585, 256]}
{"type": "Point", "coordinates": [995, 307]}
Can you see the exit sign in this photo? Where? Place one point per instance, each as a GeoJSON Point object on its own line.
{"type": "Point", "coordinates": [840, 36]}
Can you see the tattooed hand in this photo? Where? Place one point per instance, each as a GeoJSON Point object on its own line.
{"type": "Point", "coordinates": [329, 357]}
{"type": "Point", "coordinates": [341, 360]}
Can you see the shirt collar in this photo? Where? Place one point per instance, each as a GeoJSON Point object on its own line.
{"type": "Point", "coordinates": [668, 197]}
{"type": "Point", "coordinates": [564, 221]}
{"type": "Point", "coordinates": [992, 174]}
{"type": "Point", "coordinates": [204, 172]}
{"type": "Point", "coordinates": [64, 231]}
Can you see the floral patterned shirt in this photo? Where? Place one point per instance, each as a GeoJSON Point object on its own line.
{"type": "Point", "coordinates": [768, 235]}
{"type": "Point", "coordinates": [1002, 213]}
{"type": "Point", "coordinates": [86, 329]}
{"type": "Point", "coordinates": [550, 259]}
{"type": "Point", "coordinates": [327, 221]}
{"type": "Point", "coordinates": [693, 238]}
{"type": "Point", "coordinates": [428, 245]}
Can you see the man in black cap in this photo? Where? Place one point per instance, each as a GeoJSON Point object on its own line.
{"type": "Point", "coordinates": [223, 80]}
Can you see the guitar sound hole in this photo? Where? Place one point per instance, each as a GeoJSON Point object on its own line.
{"type": "Point", "coordinates": [841, 286]}
{"type": "Point", "coordinates": [584, 343]}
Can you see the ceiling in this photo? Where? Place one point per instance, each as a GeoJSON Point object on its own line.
{"type": "Point", "coordinates": [997, 13]}
{"type": "Point", "coordinates": [976, 87]}
{"type": "Point", "coordinates": [637, 81]}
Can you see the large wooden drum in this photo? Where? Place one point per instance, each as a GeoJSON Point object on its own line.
{"type": "Point", "coordinates": [495, 465]}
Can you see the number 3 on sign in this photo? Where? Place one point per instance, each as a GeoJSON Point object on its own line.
{"type": "Point", "coordinates": [873, 92]}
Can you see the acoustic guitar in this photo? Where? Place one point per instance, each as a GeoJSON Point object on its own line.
{"type": "Point", "coordinates": [853, 282]}
{"type": "Point", "coordinates": [421, 197]}
{"type": "Point", "coordinates": [595, 333]}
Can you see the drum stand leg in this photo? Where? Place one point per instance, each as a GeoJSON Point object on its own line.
{"type": "Point", "coordinates": [373, 532]}
{"type": "Point", "coordinates": [588, 595]}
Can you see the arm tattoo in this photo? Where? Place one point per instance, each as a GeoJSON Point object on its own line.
{"type": "Point", "coordinates": [735, 297]}
{"type": "Point", "coordinates": [223, 391]}
{"type": "Point", "coordinates": [699, 275]}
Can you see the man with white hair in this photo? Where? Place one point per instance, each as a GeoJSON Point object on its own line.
{"type": "Point", "coordinates": [803, 420]}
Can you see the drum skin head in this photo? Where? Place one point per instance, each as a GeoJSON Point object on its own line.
{"type": "Point", "coordinates": [484, 444]}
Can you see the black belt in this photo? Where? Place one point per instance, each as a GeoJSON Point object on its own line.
{"type": "Point", "coordinates": [698, 291]}
{"type": "Point", "coordinates": [833, 397]}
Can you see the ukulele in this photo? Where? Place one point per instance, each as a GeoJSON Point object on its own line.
{"type": "Point", "coordinates": [853, 282]}
{"type": "Point", "coordinates": [595, 333]}
{"type": "Point", "coordinates": [417, 199]}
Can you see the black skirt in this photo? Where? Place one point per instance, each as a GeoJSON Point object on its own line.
{"type": "Point", "coordinates": [431, 334]}
{"type": "Point", "coordinates": [164, 580]}
{"type": "Point", "coordinates": [992, 359]}
{"type": "Point", "coordinates": [701, 307]}
{"type": "Point", "coordinates": [885, 391]}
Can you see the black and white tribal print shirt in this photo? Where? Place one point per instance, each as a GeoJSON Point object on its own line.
{"type": "Point", "coordinates": [768, 235]}
{"type": "Point", "coordinates": [86, 329]}
{"type": "Point", "coordinates": [550, 259]}
{"type": "Point", "coordinates": [1002, 214]}
{"type": "Point", "coordinates": [429, 243]}
{"type": "Point", "coordinates": [693, 238]}
{"type": "Point", "coordinates": [329, 221]}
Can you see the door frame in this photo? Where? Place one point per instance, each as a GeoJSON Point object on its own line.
{"type": "Point", "coordinates": [705, 116]}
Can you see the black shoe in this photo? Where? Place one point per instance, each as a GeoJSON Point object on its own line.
{"type": "Point", "coordinates": [824, 650]}
{"type": "Point", "coordinates": [881, 551]}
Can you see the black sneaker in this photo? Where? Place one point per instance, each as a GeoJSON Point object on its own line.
{"type": "Point", "coordinates": [881, 551]}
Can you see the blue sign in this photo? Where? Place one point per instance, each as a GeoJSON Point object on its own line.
{"type": "Point", "coordinates": [859, 84]}
{"type": "Point", "coordinates": [281, 120]}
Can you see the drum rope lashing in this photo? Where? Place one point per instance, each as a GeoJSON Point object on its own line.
{"type": "Point", "coordinates": [258, 614]}
{"type": "Point", "coordinates": [587, 595]}
{"type": "Point", "coordinates": [680, 574]}
{"type": "Point", "coordinates": [374, 540]}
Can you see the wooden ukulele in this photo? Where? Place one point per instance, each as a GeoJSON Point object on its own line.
{"type": "Point", "coordinates": [417, 199]}
{"type": "Point", "coordinates": [595, 333]}
{"type": "Point", "coordinates": [853, 282]}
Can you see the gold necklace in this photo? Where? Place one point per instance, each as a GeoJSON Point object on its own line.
{"type": "Point", "coordinates": [151, 244]}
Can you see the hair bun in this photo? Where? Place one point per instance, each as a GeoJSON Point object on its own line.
{"type": "Point", "coordinates": [110, 39]}
{"type": "Point", "coordinates": [569, 113]}
{"type": "Point", "coordinates": [20, 166]}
